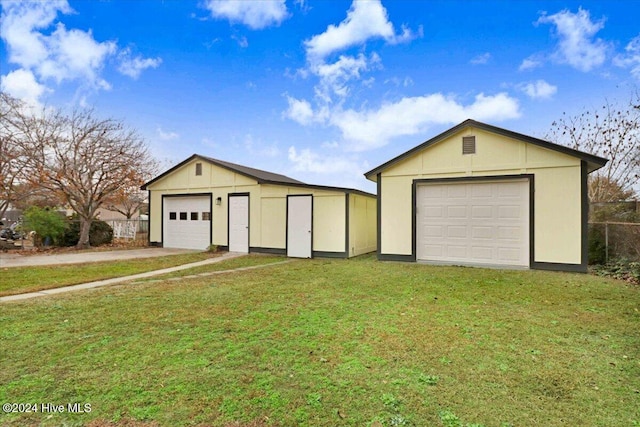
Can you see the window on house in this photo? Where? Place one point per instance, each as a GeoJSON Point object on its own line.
{"type": "Point", "coordinates": [183, 216]}
{"type": "Point", "coordinates": [198, 169]}
{"type": "Point", "coordinates": [194, 216]}
{"type": "Point", "coordinates": [468, 145]}
{"type": "Point", "coordinates": [206, 216]}
{"type": "Point", "coordinates": [172, 215]}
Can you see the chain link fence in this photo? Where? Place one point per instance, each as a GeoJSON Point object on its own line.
{"type": "Point", "coordinates": [613, 240]}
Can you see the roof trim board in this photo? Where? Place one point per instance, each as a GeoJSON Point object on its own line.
{"type": "Point", "coordinates": [594, 162]}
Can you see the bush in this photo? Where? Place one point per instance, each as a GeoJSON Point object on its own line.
{"type": "Point", "coordinates": [597, 246]}
{"type": "Point", "coordinates": [621, 269]}
{"type": "Point", "coordinates": [45, 222]}
{"type": "Point", "coordinates": [100, 233]}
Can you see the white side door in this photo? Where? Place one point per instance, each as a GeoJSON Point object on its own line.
{"type": "Point", "coordinates": [239, 223]}
{"type": "Point", "coordinates": [299, 226]}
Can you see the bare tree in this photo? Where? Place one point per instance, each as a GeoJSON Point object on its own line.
{"type": "Point", "coordinates": [15, 187]}
{"type": "Point", "coordinates": [612, 131]}
{"type": "Point", "coordinates": [128, 200]}
{"type": "Point", "coordinates": [85, 160]}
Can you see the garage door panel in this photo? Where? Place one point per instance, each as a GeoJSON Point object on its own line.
{"type": "Point", "coordinates": [482, 253]}
{"type": "Point", "coordinates": [481, 212]}
{"type": "Point", "coordinates": [457, 231]}
{"type": "Point", "coordinates": [485, 223]}
{"type": "Point", "coordinates": [457, 212]}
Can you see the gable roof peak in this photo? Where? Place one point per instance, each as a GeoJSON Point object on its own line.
{"type": "Point", "coordinates": [594, 162]}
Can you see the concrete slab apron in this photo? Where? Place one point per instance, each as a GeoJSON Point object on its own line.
{"type": "Point", "coordinates": [8, 260]}
{"type": "Point", "coordinates": [116, 280]}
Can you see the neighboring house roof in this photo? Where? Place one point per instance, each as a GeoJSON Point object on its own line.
{"type": "Point", "coordinates": [593, 162]}
{"type": "Point", "coordinates": [263, 177]}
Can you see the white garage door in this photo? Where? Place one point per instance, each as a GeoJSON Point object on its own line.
{"type": "Point", "coordinates": [484, 223]}
{"type": "Point", "coordinates": [186, 222]}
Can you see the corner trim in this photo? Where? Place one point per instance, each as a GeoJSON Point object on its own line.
{"type": "Point", "coordinates": [584, 186]}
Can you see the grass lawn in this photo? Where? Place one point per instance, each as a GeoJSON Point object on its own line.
{"type": "Point", "coordinates": [18, 280]}
{"type": "Point", "coordinates": [331, 343]}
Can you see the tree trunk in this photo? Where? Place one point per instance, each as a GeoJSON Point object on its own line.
{"type": "Point", "coordinates": [85, 226]}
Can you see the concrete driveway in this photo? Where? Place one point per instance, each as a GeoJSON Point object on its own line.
{"type": "Point", "coordinates": [8, 259]}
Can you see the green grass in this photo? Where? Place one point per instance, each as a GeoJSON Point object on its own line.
{"type": "Point", "coordinates": [332, 343]}
{"type": "Point", "coordinates": [18, 280]}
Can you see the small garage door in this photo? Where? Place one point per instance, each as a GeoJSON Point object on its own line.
{"type": "Point", "coordinates": [186, 222]}
{"type": "Point", "coordinates": [484, 223]}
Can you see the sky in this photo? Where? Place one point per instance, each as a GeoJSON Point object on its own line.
{"type": "Point", "coordinates": [321, 91]}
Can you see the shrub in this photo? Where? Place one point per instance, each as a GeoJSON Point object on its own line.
{"type": "Point", "coordinates": [45, 222]}
{"type": "Point", "coordinates": [597, 245]}
{"type": "Point", "coordinates": [100, 233]}
{"type": "Point", "coordinates": [621, 269]}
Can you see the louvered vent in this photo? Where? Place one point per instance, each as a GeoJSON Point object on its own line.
{"type": "Point", "coordinates": [468, 145]}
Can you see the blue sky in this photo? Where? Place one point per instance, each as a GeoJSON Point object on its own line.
{"type": "Point", "coordinates": [322, 91]}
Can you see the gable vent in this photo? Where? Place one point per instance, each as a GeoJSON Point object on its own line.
{"type": "Point", "coordinates": [468, 145]}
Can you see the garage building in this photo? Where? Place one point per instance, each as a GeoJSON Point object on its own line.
{"type": "Point", "coordinates": [204, 201]}
{"type": "Point", "coordinates": [480, 195]}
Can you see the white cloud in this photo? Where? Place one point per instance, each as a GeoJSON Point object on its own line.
{"type": "Point", "coordinates": [241, 40]}
{"type": "Point", "coordinates": [59, 55]}
{"type": "Point", "coordinates": [530, 63]}
{"type": "Point", "coordinates": [262, 150]}
{"type": "Point", "coordinates": [481, 59]}
{"type": "Point", "coordinates": [369, 129]}
{"type": "Point", "coordinates": [167, 136]}
{"type": "Point", "coordinates": [631, 58]}
{"type": "Point", "coordinates": [300, 111]}
{"type": "Point", "coordinates": [577, 46]}
{"type": "Point", "coordinates": [20, 20]}
{"type": "Point", "coordinates": [22, 84]}
{"type": "Point", "coordinates": [133, 67]}
{"type": "Point", "coordinates": [539, 89]}
{"type": "Point", "coordinates": [308, 161]}
{"type": "Point", "coordinates": [255, 14]}
{"type": "Point", "coordinates": [334, 78]}
{"type": "Point", "coordinates": [365, 20]}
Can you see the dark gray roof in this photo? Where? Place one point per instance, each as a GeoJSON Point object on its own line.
{"type": "Point", "coordinates": [263, 177]}
{"type": "Point", "coordinates": [593, 162]}
{"type": "Point", "coordinates": [259, 175]}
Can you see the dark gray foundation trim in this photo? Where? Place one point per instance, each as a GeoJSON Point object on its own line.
{"type": "Point", "coordinates": [553, 266]}
{"type": "Point", "coordinates": [324, 254]}
{"type": "Point", "coordinates": [395, 257]}
{"type": "Point", "coordinates": [210, 195]}
{"type": "Point", "coordinates": [274, 251]}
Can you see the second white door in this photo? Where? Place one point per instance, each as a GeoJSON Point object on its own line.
{"type": "Point", "coordinates": [239, 223]}
{"type": "Point", "coordinates": [299, 226]}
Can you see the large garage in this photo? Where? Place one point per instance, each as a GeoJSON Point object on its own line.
{"type": "Point", "coordinates": [480, 195]}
